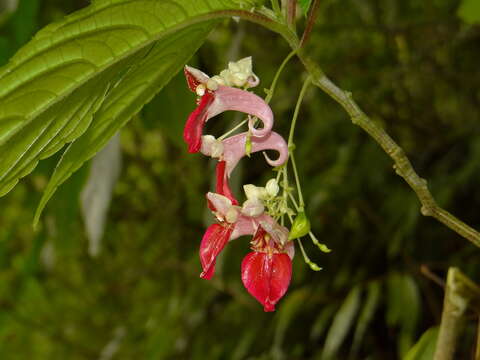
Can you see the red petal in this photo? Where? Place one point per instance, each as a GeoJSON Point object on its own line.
{"type": "Point", "coordinates": [192, 133]}
{"type": "Point", "coordinates": [266, 277]}
{"type": "Point", "coordinates": [213, 242]}
{"type": "Point", "coordinates": [192, 81]}
{"type": "Point", "coordinates": [222, 187]}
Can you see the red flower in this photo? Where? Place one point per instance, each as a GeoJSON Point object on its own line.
{"type": "Point", "coordinates": [215, 99]}
{"type": "Point", "coordinates": [267, 271]}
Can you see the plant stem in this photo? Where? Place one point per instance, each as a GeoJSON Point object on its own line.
{"type": "Point", "coordinates": [238, 126]}
{"type": "Point", "coordinates": [312, 18]}
{"type": "Point", "coordinates": [269, 96]}
{"type": "Point", "coordinates": [275, 7]}
{"type": "Point", "coordinates": [306, 83]}
{"type": "Point", "coordinates": [291, 12]}
{"type": "Point", "coordinates": [459, 293]}
{"type": "Point", "coordinates": [402, 165]}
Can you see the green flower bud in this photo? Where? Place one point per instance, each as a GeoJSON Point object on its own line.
{"type": "Point", "coordinates": [300, 226]}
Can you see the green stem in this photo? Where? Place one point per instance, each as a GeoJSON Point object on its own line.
{"type": "Point", "coordinates": [306, 83]}
{"type": "Point", "coordinates": [275, 7]}
{"type": "Point", "coordinates": [277, 76]}
{"type": "Point", "coordinates": [297, 181]}
{"type": "Point", "coordinates": [233, 129]}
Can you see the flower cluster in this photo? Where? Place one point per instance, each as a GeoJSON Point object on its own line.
{"type": "Point", "coordinates": [266, 271]}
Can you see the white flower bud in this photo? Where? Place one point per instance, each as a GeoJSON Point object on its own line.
{"type": "Point", "coordinates": [254, 192]}
{"type": "Point", "coordinates": [253, 207]}
{"type": "Point", "coordinates": [232, 215]}
{"type": "Point", "coordinates": [272, 187]}
{"type": "Point", "coordinates": [233, 66]}
{"type": "Point", "coordinates": [200, 90]}
{"type": "Point", "coordinates": [238, 80]}
{"type": "Point", "coordinates": [245, 65]}
{"type": "Point", "coordinates": [226, 75]}
{"type": "Point", "coordinates": [212, 85]}
{"type": "Point", "coordinates": [218, 79]}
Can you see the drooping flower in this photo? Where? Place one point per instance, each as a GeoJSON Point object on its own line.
{"type": "Point", "coordinates": [215, 98]}
{"type": "Point", "coordinates": [231, 224]}
{"type": "Point", "coordinates": [267, 270]}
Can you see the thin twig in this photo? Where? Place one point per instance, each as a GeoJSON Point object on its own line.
{"type": "Point", "coordinates": [402, 165]}
{"type": "Point", "coordinates": [291, 12]}
{"type": "Point", "coordinates": [312, 18]}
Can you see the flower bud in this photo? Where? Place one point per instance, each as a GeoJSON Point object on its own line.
{"type": "Point", "coordinates": [218, 79]}
{"type": "Point", "coordinates": [272, 188]}
{"type": "Point", "coordinates": [254, 192]}
{"type": "Point", "coordinates": [212, 85]}
{"type": "Point", "coordinates": [300, 226]}
{"type": "Point", "coordinates": [253, 207]}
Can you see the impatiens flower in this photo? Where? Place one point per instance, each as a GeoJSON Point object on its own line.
{"type": "Point", "coordinates": [231, 224]}
{"type": "Point", "coordinates": [267, 270]}
{"type": "Point", "coordinates": [214, 99]}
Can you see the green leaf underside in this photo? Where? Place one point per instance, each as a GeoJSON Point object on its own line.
{"type": "Point", "coordinates": [93, 70]}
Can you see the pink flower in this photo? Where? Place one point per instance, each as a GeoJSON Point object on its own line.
{"type": "Point", "coordinates": [215, 99]}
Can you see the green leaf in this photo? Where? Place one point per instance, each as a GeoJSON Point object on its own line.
{"type": "Point", "coordinates": [403, 308]}
{"type": "Point", "coordinates": [424, 349]}
{"type": "Point", "coordinates": [305, 5]}
{"type": "Point", "coordinates": [342, 324]}
{"type": "Point", "coordinates": [469, 11]}
{"type": "Point", "coordinates": [366, 315]}
{"type": "Point", "coordinates": [93, 70]}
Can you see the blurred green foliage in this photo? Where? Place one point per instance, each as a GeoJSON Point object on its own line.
{"type": "Point", "coordinates": [412, 65]}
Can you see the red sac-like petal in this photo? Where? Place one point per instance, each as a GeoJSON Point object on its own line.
{"type": "Point", "coordinates": [266, 277]}
{"type": "Point", "coordinates": [222, 187]}
{"type": "Point", "coordinates": [192, 133]}
{"type": "Point", "coordinates": [213, 242]}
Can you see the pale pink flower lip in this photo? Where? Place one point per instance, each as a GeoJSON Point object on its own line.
{"type": "Point", "coordinates": [214, 102]}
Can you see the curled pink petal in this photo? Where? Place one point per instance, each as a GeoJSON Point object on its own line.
{"type": "Point", "coordinates": [194, 77]}
{"type": "Point", "coordinates": [266, 277]}
{"type": "Point", "coordinates": [222, 182]}
{"type": "Point", "coordinates": [192, 133]}
{"type": "Point", "coordinates": [234, 148]}
{"type": "Point", "coordinates": [229, 98]}
{"type": "Point", "coordinates": [213, 242]}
